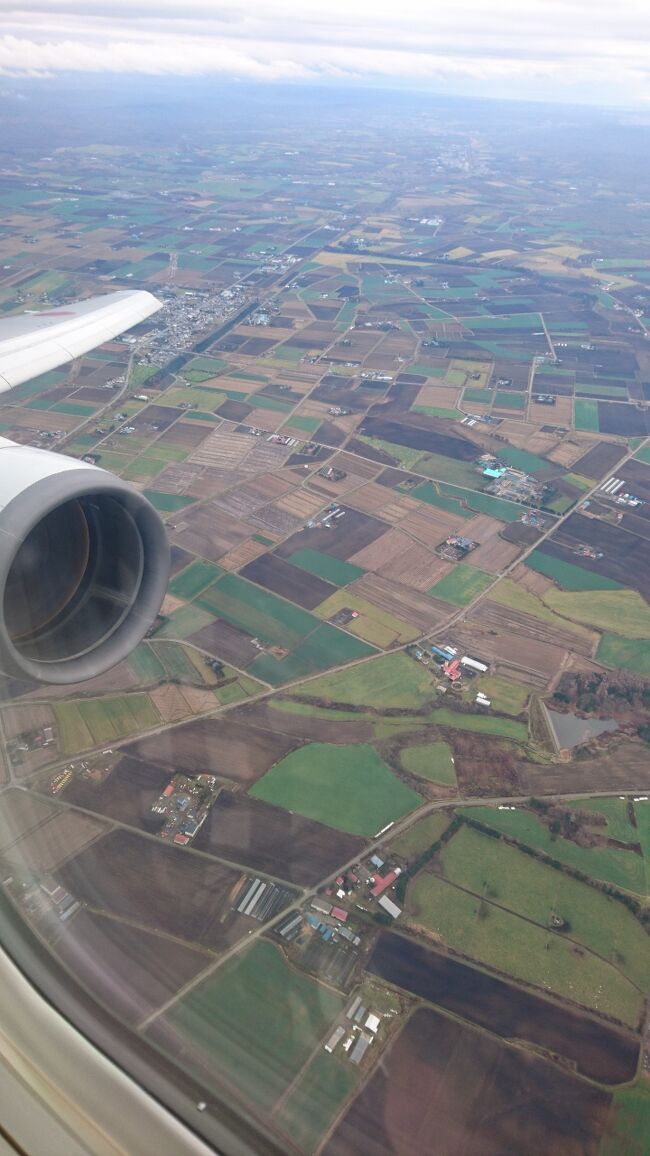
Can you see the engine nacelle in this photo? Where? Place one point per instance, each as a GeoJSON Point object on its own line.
{"type": "Point", "coordinates": [84, 564]}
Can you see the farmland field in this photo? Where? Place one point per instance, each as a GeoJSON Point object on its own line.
{"type": "Point", "coordinates": [393, 680]}
{"type": "Point", "coordinates": [254, 1024]}
{"type": "Point", "coordinates": [504, 694]}
{"type": "Point", "coordinates": [625, 653]}
{"type": "Point", "coordinates": [193, 579]}
{"type": "Point", "coordinates": [433, 762]}
{"type": "Point", "coordinates": [260, 613]}
{"type": "Point", "coordinates": [373, 624]}
{"type": "Point", "coordinates": [568, 575]}
{"type": "Point", "coordinates": [525, 1106]}
{"type": "Point", "coordinates": [420, 835]}
{"type": "Point", "coordinates": [84, 724]}
{"type": "Point", "coordinates": [325, 566]}
{"type": "Point", "coordinates": [610, 864]}
{"type": "Point", "coordinates": [315, 1101]}
{"type": "Point", "coordinates": [499, 873]}
{"type": "Point", "coordinates": [511, 945]}
{"type": "Point", "coordinates": [325, 646]}
{"type": "Point", "coordinates": [461, 585]}
{"type": "Point", "coordinates": [622, 611]}
{"type": "Point", "coordinates": [346, 787]}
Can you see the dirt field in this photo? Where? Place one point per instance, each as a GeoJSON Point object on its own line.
{"type": "Point", "coordinates": [409, 605]}
{"type": "Point", "coordinates": [246, 552]}
{"type": "Point", "coordinates": [131, 970]}
{"type": "Point", "coordinates": [20, 814]}
{"type": "Point", "coordinates": [626, 556]}
{"type": "Point", "coordinates": [599, 461]}
{"type": "Point", "coordinates": [469, 1094]}
{"type": "Point", "coordinates": [495, 555]}
{"type": "Point", "coordinates": [215, 746]}
{"type": "Point", "coordinates": [418, 438]}
{"type": "Point", "coordinates": [281, 577]}
{"type": "Point", "coordinates": [126, 794]}
{"type": "Point", "coordinates": [273, 840]}
{"type": "Point", "coordinates": [209, 532]}
{"type": "Point", "coordinates": [227, 642]}
{"type": "Point", "coordinates": [429, 525]}
{"type": "Point", "coordinates": [59, 838]}
{"type": "Point", "coordinates": [598, 1050]}
{"type": "Point", "coordinates": [351, 534]}
{"type": "Point", "coordinates": [536, 662]}
{"type": "Point", "coordinates": [518, 622]}
{"type": "Point", "coordinates": [624, 767]}
{"type": "Point", "coordinates": [159, 887]}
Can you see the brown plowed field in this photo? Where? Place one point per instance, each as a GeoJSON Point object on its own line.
{"type": "Point", "coordinates": [599, 461]}
{"type": "Point", "coordinates": [215, 746]}
{"type": "Point", "coordinates": [21, 813]}
{"type": "Point", "coordinates": [409, 605]}
{"type": "Point", "coordinates": [599, 1050]}
{"type": "Point", "coordinates": [208, 532]}
{"type": "Point", "coordinates": [131, 970]}
{"type": "Point", "coordinates": [526, 625]}
{"type": "Point", "coordinates": [371, 498]}
{"type": "Point", "coordinates": [59, 838]}
{"type": "Point", "coordinates": [418, 437]}
{"type": "Point", "coordinates": [540, 660]}
{"type": "Point", "coordinates": [291, 582]}
{"type": "Point", "coordinates": [226, 642]}
{"type": "Point", "coordinates": [624, 767]}
{"type": "Point", "coordinates": [469, 1095]}
{"type": "Point", "coordinates": [416, 566]}
{"type": "Point", "coordinates": [350, 534]}
{"type": "Point", "coordinates": [495, 555]}
{"type": "Point", "coordinates": [126, 794]}
{"type": "Point", "coordinates": [273, 840]}
{"type": "Point", "coordinates": [429, 525]}
{"type": "Point", "coordinates": [382, 550]}
{"type": "Point", "coordinates": [159, 887]}
{"type": "Point", "coordinates": [184, 433]}
{"type": "Point", "coordinates": [626, 557]}
{"type": "Point", "coordinates": [242, 554]}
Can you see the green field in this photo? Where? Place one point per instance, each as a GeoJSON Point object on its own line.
{"type": "Point", "coordinates": [90, 722]}
{"type": "Point", "coordinates": [325, 646]}
{"type": "Point", "coordinates": [146, 665]}
{"type": "Point", "coordinates": [504, 399]}
{"type": "Point", "coordinates": [327, 567]}
{"type": "Point", "coordinates": [421, 835]}
{"type": "Point", "coordinates": [462, 585]}
{"type": "Point", "coordinates": [183, 622]}
{"type": "Point", "coordinates": [498, 872]}
{"type": "Point", "coordinates": [373, 624]}
{"type": "Point", "coordinates": [193, 579]}
{"type": "Point", "coordinates": [609, 864]}
{"type": "Point", "coordinates": [448, 470]}
{"type": "Point", "coordinates": [178, 663]}
{"type": "Point", "coordinates": [256, 611]}
{"type": "Point", "coordinates": [433, 761]}
{"type": "Point", "coordinates": [481, 723]}
{"type": "Point", "coordinates": [317, 1099]}
{"type": "Point", "coordinates": [431, 493]}
{"type": "Point", "coordinates": [394, 680]}
{"type": "Point", "coordinates": [616, 813]}
{"type": "Point", "coordinates": [348, 787]}
{"type": "Point", "coordinates": [623, 611]}
{"type": "Point", "coordinates": [167, 503]}
{"type": "Point", "coordinates": [628, 1123]}
{"type": "Point", "coordinates": [568, 574]}
{"type": "Point", "coordinates": [255, 1022]}
{"type": "Point", "coordinates": [481, 503]}
{"type": "Point", "coordinates": [509, 697]}
{"type": "Point", "coordinates": [624, 653]}
{"type": "Point", "coordinates": [586, 415]}
{"type": "Point", "coordinates": [504, 941]}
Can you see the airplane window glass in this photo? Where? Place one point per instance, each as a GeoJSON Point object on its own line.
{"type": "Point", "coordinates": [324, 570]}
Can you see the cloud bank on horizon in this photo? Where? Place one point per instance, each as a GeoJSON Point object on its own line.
{"type": "Point", "coordinates": [574, 50]}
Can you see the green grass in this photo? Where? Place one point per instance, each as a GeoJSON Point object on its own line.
{"type": "Point", "coordinates": [146, 665]}
{"type": "Point", "coordinates": [509, 697]}
{"type": "Point", "coordinates": [194, 578]}
{"type": "Point", "coordinates": [486, 504]}
{"type": "Point", "coordinates": [448, 470]}
{"type": "Point", "coordinates": [498, 872]}
{"type": "Point", "coordinates": [421, 835]}
{"type": "Point", "coordinates": [305, 423]}
{"type": "Point", "coordinates": [373, 624]}
{"type": "Point", "coordinates": [256, 1021]}
{"type": "Point", "coordinates": [315, 1102]}
{"type": "Point", "coordinates": [177, 662]}
{"type": "Point", "coordinates": [326, 646]}
{"type": "Point", "coordinates": [624, 653]}
{"type": "Point", "coordinates": [609, 864]}
{"type": "Point", "coordinates": [482, 396]}
{"type": "Point", "coordinates": [257, 611]}
{"type": "Point", "coordinates": [394, 680]}
{"type": "Point", "coordinates": [433, 761]}
{"type": "Point", "coordinates": [642, 455]}
{"type": "Point", "coordinates": [618, 821]}
{"type": "Point", "coordinates": [481, 724]}
{"type": "Point", "coordinates": [273, 403]}
{"type": "Point", "coordinates": [430, 493]}
{"type": "Point", "coordinates": [462, 585]}
{"type": "Point", "coordinates": [91, 722]}
{"type": "Point", "coordinates": [167, 503]}
{"type": "Point", "coordinates": [324, 566]}
{"type": "Point", "coordinates": [504, 941]}
{"type": "Point", "coordinates": [586, 415]}
{"type": "Point", "coordinates": [347, 787]}
{"type": "Point", "coordinates": [506, 400]}
{"type": "Point", "coordinates": [568, 575]}
{"type": "Point", "coordinates": [183, 622]}
{"type": "Point", "coordinates": [623, 611]}
{"type": "Point", "coordinates": [437, 411]}
{"type": "Point", "coordinates": [628, 1123]}
{"type": "Point", "coordinates": [524, 460]}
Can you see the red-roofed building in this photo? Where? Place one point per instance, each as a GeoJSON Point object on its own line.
{"type": "Point", "coordinates": [452, 670]}
{"type": "Point", "coordinates": [382, 883]}
{"type": "Point", "coordinates": [169, 790]}
{"type": "Point", "coordinates": [339, 913]}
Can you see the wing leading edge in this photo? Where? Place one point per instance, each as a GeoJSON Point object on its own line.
{"type": "Point", "coordinates": [33, 343]}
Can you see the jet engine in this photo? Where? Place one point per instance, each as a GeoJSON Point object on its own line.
{"type": "Point", "coordinates": [84, 563]}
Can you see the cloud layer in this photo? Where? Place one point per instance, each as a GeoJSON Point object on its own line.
{"type": "Point", "coordinates": [577, 50]}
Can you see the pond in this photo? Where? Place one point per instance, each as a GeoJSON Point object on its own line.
{"type": "Point", "coordinates": [571, 731]}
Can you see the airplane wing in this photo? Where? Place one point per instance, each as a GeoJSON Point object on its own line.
{"type": "Point", "coordinates": [32, 343]}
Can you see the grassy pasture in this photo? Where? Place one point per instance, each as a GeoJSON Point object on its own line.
{"type": "Point", "coordinates": [394, 680]}
{"type": "Point", "coordinates": [623, 611]}
{"type": "Point", "coordinates": [421, 835]}
{"type": "Point", "coordinates": [610, 865]}
{"type": "Point", "coordinates": [373, 624]}
{"type": "Point", "coordinates": [568, 574]}
{"type": "Point", "coordinates": [256, 1021]}
{"type": "Point", "coordinates": [90, 722]}
{"type": "Point", "coordinates": [462, 585]}
{"type": "Point", "coordinates": [347, 787]}
{"type": "Point", "coordinates": [433, 761]}
{"type": "Point", "coordinates": [624, 653]}
{"type": "Point", "coordinates": [193, 579]}
{"type": "Point", "coordinates": [325, 566]}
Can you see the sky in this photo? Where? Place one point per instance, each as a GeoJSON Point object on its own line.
{"type": "Point", "coordinates": [576, 51]}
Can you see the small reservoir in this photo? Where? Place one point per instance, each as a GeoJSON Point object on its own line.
{"type": "Point", "coordinates": [571, 731]}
